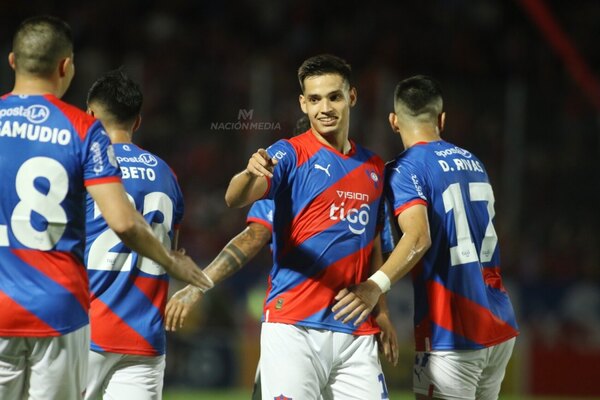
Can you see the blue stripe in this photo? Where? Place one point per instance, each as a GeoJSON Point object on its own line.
{"type": "Point", "coordinates": [133, 306]}
{"type": "Point", "coordinates": [40, 295]}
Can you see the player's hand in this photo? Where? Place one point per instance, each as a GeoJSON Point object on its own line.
{"type": "Point", "coordinates": [387, 339]}
{"type": "Point", "coordinates": [356, 302]}
{"type": "Point", "coordinates": [261, 164]}
{"type": "Point", "coordinates": [186, 270]}
{"type": "Point", "coordinates": [179, 306]}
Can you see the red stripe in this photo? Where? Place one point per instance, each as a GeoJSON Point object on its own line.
{"type": "Point", "coordinates": [464, 317]}
{"type": "Point", "coordinates": [305, 145]}
{"type": "Point", "coordinates": [411, 203]}
{"type": "Point", "coordinates": [264, 223]}
{"type": "Point", "coordinates": [63, 268]}
{"type": "Point", "coordinates": [4, 96]}
{"type": "Point", "coordinates": [78, 118]}
{"type": "Point", "coordinates": [315, 217]}
{"type": "Point", "coordinates": [108, 329]}
{"type": "Point", "coordinates": [318, 291]}
{"type": "Point", "coordinates": [14, 317]}
{"type": "Point", "coordinates": [99, 181]}
{"type": "Point", "coordinates": [155, 289]}
{"type": "Point", "coordinates": [492, 278]}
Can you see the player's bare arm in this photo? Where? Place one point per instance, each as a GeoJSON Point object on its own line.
{"type": "Point", "coordinates": [251, 184]}
{"type": "Point", "coordinates": [231, 259]}
{"type": "Point", "coordinates": [136, 234]}
{"type": "Point", "coordinates": [411, 247]}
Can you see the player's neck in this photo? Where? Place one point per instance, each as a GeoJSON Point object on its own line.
{"type": "Point", "coordinates": [32, 85]}
{"type": "Point", "coordinates": [117, 135]}
{"type": "Point", "coordinates": [418, 134]}
{"type": "Point", "coordinates": [338, 140]}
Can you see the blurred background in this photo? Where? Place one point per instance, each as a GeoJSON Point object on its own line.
{"type": "Point", "coordinates": [522, 91]}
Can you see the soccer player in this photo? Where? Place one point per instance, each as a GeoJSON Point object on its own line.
{"type": "Point", "coordinates": [50, 153]}
{"type": "Point", "coordinates": [128, 292]}
{"type": "Point", "coordinates": [240, 250]}
{"type": "Point", "coordinates": [465, 325]}
{"type": "Point", "coordinates": [326, 191]}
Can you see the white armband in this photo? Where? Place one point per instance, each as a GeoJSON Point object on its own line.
{"type": "Point", "coordinates": [382, 280]}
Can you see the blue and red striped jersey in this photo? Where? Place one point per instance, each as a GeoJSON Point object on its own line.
{"type": "Point", "coordinates": [327, 212]}
{"type": "Point", "coordinates": [261, 212]}
{"type": "Point", "coordinates": [128, 292]}
{"type": "Point", "coordinates": [460, 301]}
{"type": "Point", "coordinates": [49, 152]}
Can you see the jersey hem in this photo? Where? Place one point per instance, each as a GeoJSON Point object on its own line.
{"type": "Point", "coordinates": [42, 333]}
{"type": "Point", "coordinates": [490, 343]}
{"type": "Point", "coordinates": [333, 328]}
{"type": "Point", "coordinates": [110, 349]}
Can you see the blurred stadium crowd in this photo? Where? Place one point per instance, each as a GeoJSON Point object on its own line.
{"type": "Point", "coordinates": [205, 66]}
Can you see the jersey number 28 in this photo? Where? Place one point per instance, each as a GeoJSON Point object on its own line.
{"type": "Point", "coordinates": [101, 258]}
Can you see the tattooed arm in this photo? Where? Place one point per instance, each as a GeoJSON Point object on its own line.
{"type": "Point", "coordinates": [231, 259]}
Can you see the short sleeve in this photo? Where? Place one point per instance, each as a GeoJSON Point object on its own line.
{"type": "Point", "coordinates": [261, 212]}
{"type": "Point", "coordinates": [404, 186]}
{"type": "Point", "coordinates": [285, 155]}
{"type": "Point", "coordinates": [99, 161]}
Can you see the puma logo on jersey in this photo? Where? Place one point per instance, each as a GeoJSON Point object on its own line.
{"type": "Point", "coordinates": [317, 166]}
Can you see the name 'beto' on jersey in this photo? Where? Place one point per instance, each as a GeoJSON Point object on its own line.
{"type": "Point", "coordinates": [49, 152]}
{"type": "Point", "coordinates": [460, 301]}
{"type": "Point", "coordinates": [327, 212]}
{"type": "Point", "coordinates": [129, 292]}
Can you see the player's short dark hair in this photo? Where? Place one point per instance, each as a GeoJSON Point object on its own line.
{"type": "Point", "coordinates": [39, 43]}
{"type": "Point", "coordinates": [419, 96]}
{"type": "Point", "coordinates": [324, 64]}
{"type": "Point", "coordinates": [118, 95]}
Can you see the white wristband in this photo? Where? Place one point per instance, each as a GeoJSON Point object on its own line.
{"type": "Point", "coordinates": [382, 280]}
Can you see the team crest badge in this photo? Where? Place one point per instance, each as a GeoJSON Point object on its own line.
{"type": "Point", "coordinates": [282, 397]}
{"type": "Point", "coordinates": [374, 177]}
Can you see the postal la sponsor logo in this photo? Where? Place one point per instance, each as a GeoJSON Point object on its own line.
{"type": "Point", "coordinates": [36, 113]}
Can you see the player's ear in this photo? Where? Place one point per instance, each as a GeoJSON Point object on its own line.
{"type": "Point", "coordinates": [11, 60]}
{"type": "Point", "coordinates": [302, 101]}
{"type": "Point", "coordinates": [394, 122]}
{"type": "Point", "coordinates": [441, 121]}
{"type": "Point", "coordinates": [353, 96]}
{"type": "Point", "coordinates": [64, 65]}
{"type": "Point", "coordinates": [137, 123]}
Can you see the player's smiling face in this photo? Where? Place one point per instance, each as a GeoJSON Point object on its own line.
{"type": "Point", "coordinates": [327, 100]}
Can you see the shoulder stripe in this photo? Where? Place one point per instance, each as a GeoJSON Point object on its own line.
{"type": "Point", "coordinates": [80, 120]}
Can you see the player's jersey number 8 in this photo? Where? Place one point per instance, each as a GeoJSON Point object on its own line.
{"type": "Point", "coordinates": [45, 204]}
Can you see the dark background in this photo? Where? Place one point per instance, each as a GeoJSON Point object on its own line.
{"type": "Point", "coordinates": [529, 111]}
